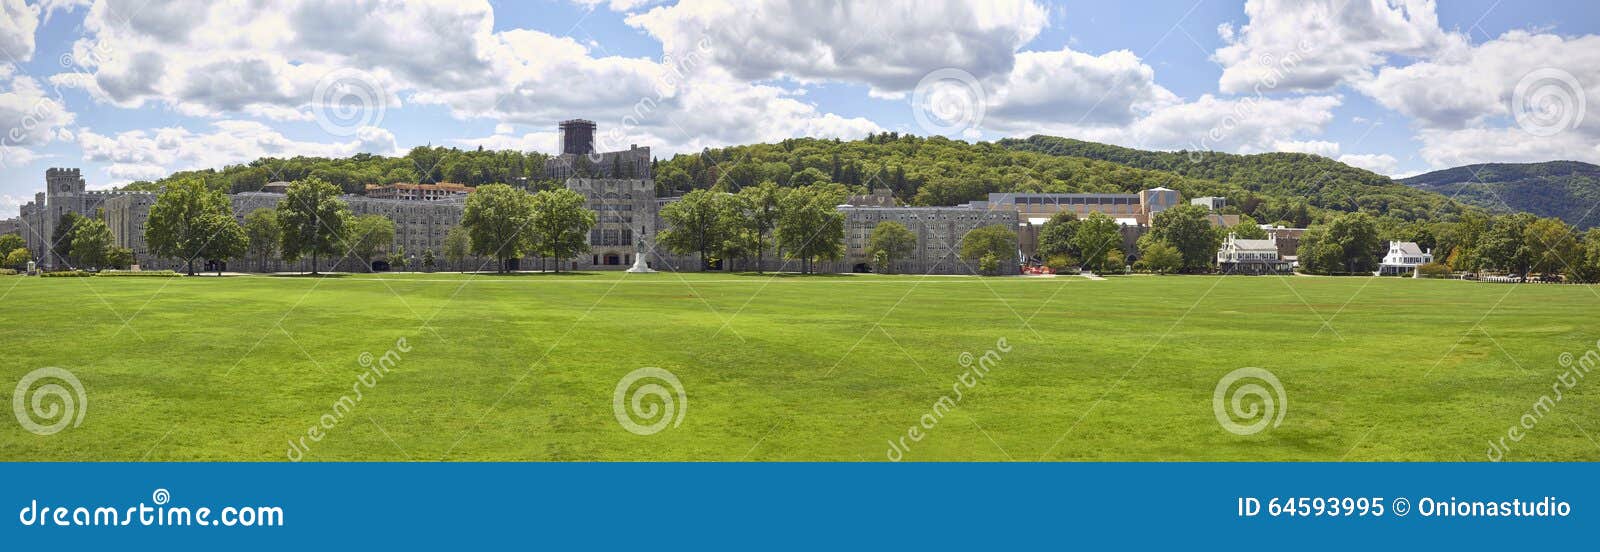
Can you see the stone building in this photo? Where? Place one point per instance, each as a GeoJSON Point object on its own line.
{"type": "Point", "coordinates": [939, 232]}
{"type": "Point", "coordinates": [625, 208]}
{"type": "Point", "coordinates": [65, 192]}
{"type": "Point", "coordinates": [420, 192]}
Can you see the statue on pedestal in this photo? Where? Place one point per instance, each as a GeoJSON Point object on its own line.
{"type": "Point", "coordinates": [641, 250]}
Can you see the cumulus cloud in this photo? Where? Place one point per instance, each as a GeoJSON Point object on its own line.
{"type": "Point", "coordinates": [1454, 147]}
{"type": "Point", "coordinates": [29, 117]}
{"type": "Point", "coordinates": [1072, 87]}
{"type": "Point", "coordinates": [145, 155]}
{"type": "Point", "coordinates": [1309, 45]}
{"type": "Point", "coordinates": [1381, 163]}
{"type": "Point", "coordinates": [888, 45]}
{"type": "Point", "coordinates": [1315, 147]}
{"type": "Point", "coordinates": [18, 21]}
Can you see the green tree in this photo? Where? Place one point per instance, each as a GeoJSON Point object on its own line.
{"type": "Point", "coordinates": [696, 224]}
{"type": "Point", "coordinates": [561, 225]}
{"type": "Point", "coordinates": [263, 235]}
{"type": "Point", "coordinates": [173, 230]}
{"type": "Point", "coordinates": [891, 242]}
{"type": "Point", "coordinates": [120, 257]}
{"type": "Point", "coordinates": [1552, 246]}
{"type": "Point", "coordinates": [10, 242]}
{"type": "Point", "coordinates": [1188, 228]}
{"type": "Point", "coordinates": [1159, 257]}
{"type": "Point", "coordinates": [989, 264]}
{"type": "Point", "coordinates": [1247, 229]}
{"type": "Point", "coordinates": [369, 236]}
{"type": "Point", "coordinates": [226, 241]}
{"type": "Point", "coordinates": [994, 241]}
{"type": "Point", "coordinates": [1356, 234]}
{"type": "Point", "coordinates": [1057, 236]}
{"type": "Point", "coordinates": [811, 227]}
{"type": "Point", "coordinates": [311, 219]}
{"type": "Point", "coordinates": [18, 259]}
{"type": "Point", "coordinates": [1099, 239]}
{"type": "Point", "coordinates": [61, 237]}
{"type": "Point", "coordinates": [1586, 270]}
{"type": "Point", "coordinates": [764, 209]}
{"type": "Point", "coordinates": [91, 239]}
{"type": "Point", "coordinates": [427, 260]}
{"type": "Point", "coordinates": [397, 259]}
{"type": "Point", "coordinates": [1505, 245]}
{"type": "Point", "coordinates": [457, 245]}
{"type": "Point", "coordinates": [498, 219]}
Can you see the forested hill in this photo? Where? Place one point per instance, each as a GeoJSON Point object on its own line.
{"type": "Point", "coordinates": [1292, 189]}
{"type": "Point", "coordinates": [1284, 187]}
{"type": "Point", "coordinates": [1569, 190]}
{"type": "Point", "coordinates": [1323, 182]}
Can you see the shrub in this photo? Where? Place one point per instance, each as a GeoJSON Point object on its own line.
{"type": "Point", "coordinates": [1062, 263]}
{"type": "Point", "coordinates": [141, 273]}
{"type": "Point", "coordinates": [7, 272]}
{"type": "Point", "coordinates": [66, 274]}
{"type": "Point", "coordinates": [1434, 270]}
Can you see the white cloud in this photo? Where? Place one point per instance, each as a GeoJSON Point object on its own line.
{"type": "Point", "coordinates": [1316, 147]}
{"type": "Point", "coordinates": [1318, 44]}
{"type": "Point", "coordinates": [1381, 163]}
{"type": "Point", "coordinates": [1443, 148]}
{"type": "Point", "coordinates": [145, 155]}
{"type": "Point", "coordinates": [1469, 85]}
{"type": "Point", "coordinates": [29, 117]}
{"type": "Point", "coordinates": [887, 44]}
{"type": "Point", "coordinates": [1077, 88]}
{"type": "Point", "coordinates": [18, 21]}
{"type": "Point", "coordinates": [1239, 125]}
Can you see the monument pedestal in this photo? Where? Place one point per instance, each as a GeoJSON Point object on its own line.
{"type": "Point", "coordinates": [639, 265]}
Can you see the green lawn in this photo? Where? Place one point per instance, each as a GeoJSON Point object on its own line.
{"type": "Point", "coordinates": [798, 368]}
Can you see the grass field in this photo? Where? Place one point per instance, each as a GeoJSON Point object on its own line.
{"type": "Point", "coordinates": [524, 367]}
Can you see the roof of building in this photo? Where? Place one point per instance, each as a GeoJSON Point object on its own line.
{"type": "Point", "coordinates": [433, 186]}
{"type": "Point", "coordinates": [1407, 248]}
{"type": "Point", "coordinates": [1255, 245]}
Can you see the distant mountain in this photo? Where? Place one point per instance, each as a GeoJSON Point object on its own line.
{"type": "Point", "coordinates": [1318, 180]}
{"type": "Point", "coordinates": [1566, 189]}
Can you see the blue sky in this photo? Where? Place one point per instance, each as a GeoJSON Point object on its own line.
{"type": "Point", "coordinates": [129, 89]}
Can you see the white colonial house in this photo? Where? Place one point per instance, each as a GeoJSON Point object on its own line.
{"type": "Point", "coordinates": [1238, 256]}
{"type": "Point", "coordinates": [1404, 257]}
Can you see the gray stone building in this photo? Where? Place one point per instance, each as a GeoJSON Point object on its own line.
{"type": "Point", "coordinates": [939, 232]}
{"type": "Point", "coordinates": [65, 192]}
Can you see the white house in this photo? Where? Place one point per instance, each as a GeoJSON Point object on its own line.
{"type": "Point", "coordinates": [1238, 256]}
{"type": "Point", "coordinates": [1404, 257]}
